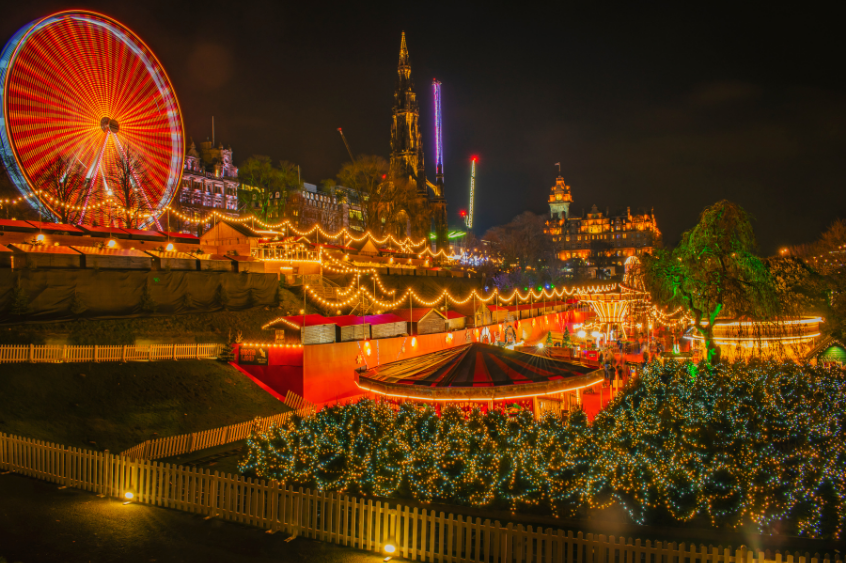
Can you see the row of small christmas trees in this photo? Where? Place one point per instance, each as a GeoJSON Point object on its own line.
{"type": "Point", "coordinates": [730, 445]}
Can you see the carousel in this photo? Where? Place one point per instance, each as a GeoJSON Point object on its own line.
{"type": "Point", "coordinates": [481, 373]}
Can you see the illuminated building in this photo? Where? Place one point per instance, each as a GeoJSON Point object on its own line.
{"type": "Point", "coordinates": [209, 182]}
{"type": "Point", "coordinates": [307, 207]}
{"type": "Point", "coordinates": [600, 238]}
{"type": "Point", "coordinates": [407, 162]}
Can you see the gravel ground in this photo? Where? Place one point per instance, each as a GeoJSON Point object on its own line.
{"type": "Point", "coordinates": [41, 523]}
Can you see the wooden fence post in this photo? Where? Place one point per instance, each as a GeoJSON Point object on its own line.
{"type": "Point", "coordinates": [123, 354]}
{"type": "Point", "coordinates": [174, 352]}
{"type": "Point", "coordinates": [65, 466]}
{"type": "Point", "coordinates": [95, 353]}
{"type": "Point", "coordinates": [31, 353]}
{"type": "Point", "coordinates": [106, 477]}
{"type": "Point", "coordinates": [64, 352]}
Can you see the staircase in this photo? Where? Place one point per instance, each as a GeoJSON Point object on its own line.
{"type": "Point", "coordinates": [334, 294]}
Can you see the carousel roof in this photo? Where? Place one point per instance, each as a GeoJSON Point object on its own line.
{"type": "Point", "coordinates": [477, 371]}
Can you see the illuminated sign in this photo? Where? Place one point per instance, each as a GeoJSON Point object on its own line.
{"type": "Point", "coordinates": [252, 355]}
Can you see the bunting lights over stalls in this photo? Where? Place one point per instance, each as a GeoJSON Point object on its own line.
{"type": "Point", "coordinates": [81, 86]}
{"type": "Point", "coordinates": [355, 294]}
{"type": "Point", "coordinates": [287, 226]}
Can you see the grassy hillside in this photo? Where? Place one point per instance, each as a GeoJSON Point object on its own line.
{"type": "Point", "coordinates": [188, 328]}
{"type": "Point", "coordinates": [115, 406]}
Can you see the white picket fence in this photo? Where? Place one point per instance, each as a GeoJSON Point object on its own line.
{"type": "Point", "coordinates": [195, 441]}
{"type": "Point", "coordinates": [418, 534]}
{"type": "Point", "coordinates": [51, 353]}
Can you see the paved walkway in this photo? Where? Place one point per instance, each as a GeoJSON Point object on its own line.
{"type": "Point", "coordinates": [41, 523]}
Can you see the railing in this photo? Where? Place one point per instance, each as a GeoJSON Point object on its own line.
{"type": "Point", "coordinates": [196, 441]}
{"type": "Point", "coordinates": [51, 353]}
{"type": "Point", "coordinates": [417, 534]}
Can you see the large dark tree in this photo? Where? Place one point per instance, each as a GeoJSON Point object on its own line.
{"type": "Point", "coordinates": [714, 271]}
{"type": "Point", "coordinates": [828, 261]}
{"type": "Point", "coordinates": [264, 187]}
{"type": "Point", "coordinates": [522, 241]}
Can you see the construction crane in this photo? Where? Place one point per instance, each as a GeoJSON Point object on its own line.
{"type": "Point", "coordinates": [346, 144]}
{"type": "Point", "coordinates": [469, 219]}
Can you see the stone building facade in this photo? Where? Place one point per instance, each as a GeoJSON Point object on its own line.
{"type": "Point", "coordinates": [309, 206]}
{"type": "Point", "coordinates": [600, 237]}
{"type": "Point", "coordinates": [209, 183]}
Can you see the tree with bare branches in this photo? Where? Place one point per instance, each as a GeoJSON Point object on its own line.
{"type": "Point", "coordinates": [128, 182]}
{"type": "Point", "coordinates": [63, 185]}
{"type": "Point", "coordinates": [367, 178]}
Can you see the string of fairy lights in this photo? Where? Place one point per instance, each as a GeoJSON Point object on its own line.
{"type": "Point", "coordinates": [356, 293]}
{"type": "Point", "coordinates": [290, 227]}
{"type": "Point", "coordinates": [742, 446]}
{"type": "Point", "coordinates": [110, 201]}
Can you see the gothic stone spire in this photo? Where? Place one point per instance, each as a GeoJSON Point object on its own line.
{"type": "Point", "coordinates": [406, 140]}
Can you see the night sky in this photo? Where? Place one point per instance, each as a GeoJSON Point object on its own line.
{"type": "Point", "coordinates": [672, 107]}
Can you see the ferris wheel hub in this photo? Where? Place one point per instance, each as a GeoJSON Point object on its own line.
{"type": "Point", "coordinates": [107, 125]}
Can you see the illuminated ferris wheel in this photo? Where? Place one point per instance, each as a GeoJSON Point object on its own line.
{"type": "Point", "coordinates": [81, 87]}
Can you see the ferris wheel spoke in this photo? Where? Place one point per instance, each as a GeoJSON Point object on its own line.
{"type": "Point", "coordinates": [91, 175]}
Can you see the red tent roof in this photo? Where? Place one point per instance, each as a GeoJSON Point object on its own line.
{"type": "Point", "coordinates": [348, 320]}
{"type": "Point", "coordinates": [454, 315]}
{"type": "Point", "coordinates": [105, 231]}
{"type": "Point", "coordinates": [145, 235]}
{"type": "Point", "coordinates": [308, 320]}
{"type": "Point", "coordinates": [12, 225]}
{"type": "Point", "coordinates": [384, 319]}
{"type": "Point", "coordinates": [184, 236]}
{"type": "Point", "coordinates": [56, 227]}
{"type": "Point", "coordinates": [414, 315]}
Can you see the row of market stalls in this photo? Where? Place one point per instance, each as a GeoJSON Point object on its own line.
{"type": "Point", "coordinates": [34, 244]}
{"type": "Point", "coordinates": [25, 255]}
{"type": "Point", "coordinates": [319, 329]}
{"type": "Point", "coordinates": [290, 254]}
